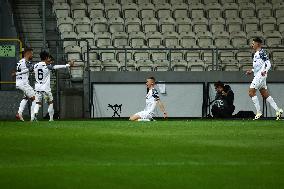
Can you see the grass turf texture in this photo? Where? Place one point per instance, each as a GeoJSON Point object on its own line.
{"type": "Point", "coordinates": [122, 154]}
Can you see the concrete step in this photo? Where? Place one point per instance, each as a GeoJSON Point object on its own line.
{"type": "Point", "coordinates": [39, 30]}
{"type": "Point", "coordinates": [36, 44]}
{"type": "Point", "coordinates": [32, 29]}
{"type": "Point", "coordinates": [34, 2]}
{"type": "Point", "coordinates": [29, 16]}
{"type": "Point", "coordinates": [25, 10]}
{"type": "Point", "coordinates": [31, 21]}
{"type": "Point", "coordinates": [31, 5]}
{"type": "Point", "coordinates": [33, 36]}
{"type": "Point", "coordinates": [29, 26]}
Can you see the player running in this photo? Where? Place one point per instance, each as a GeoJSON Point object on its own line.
{"type": "Point", "coordinates": [24, 67]}
{"type": "Point", "coordinates": [261, 65]}
{"type": "Point", "coordinates": [152, 99]}
{"type": "Point", "coordinates": [42, 87]}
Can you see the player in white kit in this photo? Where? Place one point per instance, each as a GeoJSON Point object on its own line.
{"type": "Point", "coordinates": [152, 99]}
{"type": "Point", "coordinates": [24, 67]}
{"type": "Point", "coordinates": [42, 86]}
{"type": "Point", "coordinates": [261, 66]}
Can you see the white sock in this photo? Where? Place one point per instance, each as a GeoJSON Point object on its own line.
{"type": "Point", "coordinates": [256, 104]}
{"type": "Point", "coordinates": [22, 106]}
{"type": "Point", "coordinates": [143, 120]}
{"type": "Point", "coordinates": [36, 108]}
{"type": "Point", "coordinates": [50, 112]}
{"type": "Point", "coordinates": [32, 110]}
{"type": "Point", "coordinates": [272, 103]}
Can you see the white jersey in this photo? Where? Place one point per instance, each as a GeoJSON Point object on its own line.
{"type": "Point", "coordinates": [42, 75]}
{"type": "Point", "coordinates": [260, 62]}
{"type": "Point", "coordinates": [151, 100]}
{"type": "Point", "coordinates": [23, 70]}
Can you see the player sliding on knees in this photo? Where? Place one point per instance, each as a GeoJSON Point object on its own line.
{"type": "Point", "coordinates": [24, 67]}
{"type": "Point", "coordinates": [42, 86]}
{"type": "Point", "coordinates": [261, 65]}
{"type": "Point", "coordinates": [152, 99]}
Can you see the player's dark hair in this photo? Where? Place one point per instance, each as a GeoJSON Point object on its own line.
{"type": "Point", "coordinates": [258, 40]}
{"type": "Point", "coordinates": [44, 55]}
{"type": "Point", "coordinates": [28, 49]}
{"type": "Point", "coordinates": [219, 84]}
{"type": "Point", "coordinates": [51, 57]}
{"type": "Point", "coordinates": [152, 78]}
{"type": "Point", "coordinates": [227, 88]}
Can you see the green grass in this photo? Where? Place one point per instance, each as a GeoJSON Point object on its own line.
{"type": "Point", "coordinates": [121, 154]}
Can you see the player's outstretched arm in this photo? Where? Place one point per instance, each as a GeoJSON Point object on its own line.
{"type": "Point", "coordinates": [162, 108]}
{"type": "Point", "coordinates": [56, 67]}
{"type": "Point", "coordinates": [71, 63]}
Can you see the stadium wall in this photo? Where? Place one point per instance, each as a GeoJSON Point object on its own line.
{"type": "Point", "coordinates": [125, 99]}
{"type": "Point", "coordinates": [9, 104]}
{"type": "Point", "coordinates": [184, 98]}
{"type": "Point", "coordinates": [114, 88]}
{"type": "Point", "coordinates": [7, 29]}
{"type": "Point", "coordinates": [7, 33]}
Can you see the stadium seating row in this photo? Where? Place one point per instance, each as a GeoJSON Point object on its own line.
{"type": "Point", "coordinates": [172, 24]}
{"type": "Point", "coordinates": [182, 10]}
{"type": "Point", "coordinates": [152, 39]}
{"type": "Point", "coordinates": [158, 60]}
{"type": "Point", "coordinates": [168, 24]}
{"type": "Point", "coordinates": [166, 1]}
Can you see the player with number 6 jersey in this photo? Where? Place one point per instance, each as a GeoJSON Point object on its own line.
{"type": "Point", "coordinates": [42, 72]}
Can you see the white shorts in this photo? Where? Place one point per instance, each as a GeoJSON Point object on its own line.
{"type": "Point", "coordinates": [258, 82]}
{"type": "Point", "coordinates": [46, 95]}
{"type": "Point", "coordinates": [145, 115]}
{"type": "Point", "coordinates": [27, 90]}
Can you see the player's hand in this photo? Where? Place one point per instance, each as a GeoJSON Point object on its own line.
{"type": "Point", "coordinates": [263, 73]}
{"type": "Point", "coordinates": [71, 63]}
{"type": "Point", "coordinates": [165, 115]}
{"type": "Point", "coordinates": [248, 72]}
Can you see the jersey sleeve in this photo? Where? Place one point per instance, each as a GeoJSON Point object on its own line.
{"type": "Point", "coordinates": [263, 56]}
{"type": "Point", "coordinates": [21, 68]}
{"type": "Point", "coordinates": [30, 66]}
{"type": "Point", "coordinates": [267, 65]}
{"type": "Point", "coordinates": [61, 66]}
{"type": "Point", "coordinates": [55, 67]}
{"type": "Point", "coordinates": [265, 59]}
{"type": "Point", "coordinates": [50, 66]}
{"type": "Point", "coordinates": [155, 94]}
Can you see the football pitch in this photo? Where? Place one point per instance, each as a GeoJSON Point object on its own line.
{"type": "Point", "coordinates": [132, 155]}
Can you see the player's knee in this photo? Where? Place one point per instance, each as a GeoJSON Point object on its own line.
{"type": "Point", "coordinates": [32, 98]}
{"type": "Point", "coordinates": [133, 118]}
{"type": "Point", "coordinates": [50, 110]}
{"type": "Point", "coordinates": [251, 93]}
{"type": "Point", "coordinates": [265, 95]}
